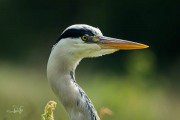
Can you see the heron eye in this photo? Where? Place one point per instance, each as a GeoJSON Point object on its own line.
{"type": "Point", "coordinates": [84, 38]}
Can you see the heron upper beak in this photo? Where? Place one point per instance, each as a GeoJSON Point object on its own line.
{"type": "Point", "coordinates": [113, 43]}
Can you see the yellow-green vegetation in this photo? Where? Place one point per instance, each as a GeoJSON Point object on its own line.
{"type": "Point", "coordinates": [48, 111]}
{"type": "Point", "coordinates": [139, 94]}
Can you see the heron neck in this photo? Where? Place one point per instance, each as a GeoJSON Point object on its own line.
{"type": "Point", "coordinates": [61, 67]}
{"type": "Point", "coordinates": [60, 73]}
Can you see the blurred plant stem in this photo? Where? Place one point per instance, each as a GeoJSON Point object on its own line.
{"type": "Point", "coordinates": [105, 111]}
{"type": "Point", "coordinates": [48, 111]}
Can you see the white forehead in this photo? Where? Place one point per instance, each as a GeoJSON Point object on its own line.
{"type": "Point", "coordinates": [94, 30]}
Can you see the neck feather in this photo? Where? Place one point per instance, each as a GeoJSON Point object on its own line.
{"type": "Point", "coordinates": [60, 73]}
{"type": "Point", "coordinates": [61, 67]}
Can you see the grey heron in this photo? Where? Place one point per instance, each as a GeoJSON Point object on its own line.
{"type": "Point", "coordinates": [75, 43]}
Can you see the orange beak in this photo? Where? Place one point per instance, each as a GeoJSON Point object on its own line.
{"type": "Point", "coordinates": [113, 43]}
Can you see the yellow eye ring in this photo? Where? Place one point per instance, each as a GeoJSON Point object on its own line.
{"type": "Point", "coordinates": [84, 37]}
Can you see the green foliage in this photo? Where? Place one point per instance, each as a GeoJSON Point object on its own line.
{"type": "Point", "coordinates": [130, 96]}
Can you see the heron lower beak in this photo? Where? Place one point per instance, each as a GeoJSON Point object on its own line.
{"type": "Point", "coordinates": [113, 43]}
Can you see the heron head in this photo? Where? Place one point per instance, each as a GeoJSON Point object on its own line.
{"type": "Point", "coordinates": [86, 41]}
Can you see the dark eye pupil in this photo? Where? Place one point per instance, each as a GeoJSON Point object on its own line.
{"type": "Point", "coordinates": [84, 38]}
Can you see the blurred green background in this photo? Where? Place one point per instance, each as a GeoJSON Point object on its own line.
{"type": "Point", "coordinates": [135, 85]}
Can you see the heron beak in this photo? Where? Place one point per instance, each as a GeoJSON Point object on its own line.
{"type": "Point", "coordinates": [113, 43]}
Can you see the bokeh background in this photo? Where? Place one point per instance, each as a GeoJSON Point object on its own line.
{"type": "Point", "coordinates": [135, 85]}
